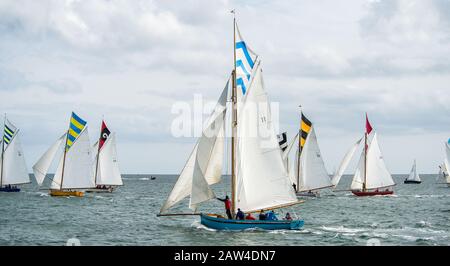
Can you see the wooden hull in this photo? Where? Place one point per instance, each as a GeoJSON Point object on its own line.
{"type": "Point", "coordinates": [227, 224]}
{"type": "Point", "coordinates": [13, 189]}
{"type": "Point", "coordinates": [66, 193]}
{"type": "Point", "coordinates": [412, 182]}
{"type": "Point", "coordinates": [360, 193]}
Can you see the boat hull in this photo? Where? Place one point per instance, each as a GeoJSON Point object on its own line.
{"type": "Point", "coordinates": [100, 190]}
{"type": "Point", "coordinates": [227, 224]}
{"type": "Point", "coordinates": [13, 189]}
{"type": "Point", "coordinates": [360, 193]}
{"type": "Point", "coordinates": [412, 182]}
{"type": "Point", "coordinates": [308, 194]}
{"type": "Point", "coordinates": [66, 193]}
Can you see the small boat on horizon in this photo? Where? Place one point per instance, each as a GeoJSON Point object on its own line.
{"type": "Point", "coordinates": [13, 169]}
{"type": "Point", "coordinates": [371, 177]}
{"type": "Point", "coordinates": [74, 171]}
{"type": "Point", "coordinates": [413, 177]}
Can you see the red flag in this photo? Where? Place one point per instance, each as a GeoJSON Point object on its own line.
{"type": "Point", "coordinates": [104, 133]}
{"type": "Point", "coordinates": [368, 126]}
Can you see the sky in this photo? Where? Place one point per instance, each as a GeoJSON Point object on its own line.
{"type": "Point", "coordinates": [129, 62]}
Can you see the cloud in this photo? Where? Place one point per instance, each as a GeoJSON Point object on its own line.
{"type": "Point", "coordinates": [132, 60]}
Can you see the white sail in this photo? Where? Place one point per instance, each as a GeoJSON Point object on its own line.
{"type": "Point", "coordinates": [358, 178]}
{"type": "Point", "coordinates": [77, 166]}
{"type": "Point", "coordinates": [447, 162]}
{"type": "Point", "coordinates": [313, 174]}
{"type": "Point", "coordinates": [108, 172]}
{"type": "Point", "coordinates": [344, 164]}
{"type": "Point", "coordinates": [204, 166]}
{"type": "Point", "coordinates": [40, 169]}
{"type": "Point", "coordinates": [377, 174]}
{"type": "Point", "coordinates": [413, 175]}
{"type": "Point", "coordinates": [14, 167]}
{"type": "Point", "coordinates": [262, 181]}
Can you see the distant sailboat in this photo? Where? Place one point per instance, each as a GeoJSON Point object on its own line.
{"type": "Point", "coordinates": [444, 169]}
{"type": "Point", "coordinates": [309, 173]}
{"type": "Point", "coordinates": [107, 174]}
{"type": "Point", "coordinates": [413, 177]}
{"type": "Point", "coordinates": [74, 171]}
{"type": "Point", "coordinates": [13, 169]}
{"type": "Point", "coordinates": [371, 177]}
{"type": "Point", "coordinates": [259, 180]}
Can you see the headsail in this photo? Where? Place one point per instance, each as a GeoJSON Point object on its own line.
{"type": "Point", "coordinates": [204, 166]}
{"type": "Point", "coordinates": [262, 180]}
{"type": "Point", "coordinates": [344, 164]}
{"type": "Point", "coordinates": [313, 174]}
{"type": "Point", "coordinates": [108, 172]}
{"type": "Point", "coordinates": [40, 169]}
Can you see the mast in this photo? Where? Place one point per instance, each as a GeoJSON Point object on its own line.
{"type": "Point", "coordinates": [299, 150]}
{"type": "Point", "coordinates": [234, 121]}
{"type": "Point", "coordinates": [98, 154]}
{"type": "Point", "coordinates": [365, 159]}
{"type": "Point", "coordinates": [3, 151]}
{"type": "Point", "coordinates": [64, 158]}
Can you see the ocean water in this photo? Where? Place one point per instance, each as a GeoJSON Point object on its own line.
{"type": "Point", "coordinates": [415, 215]}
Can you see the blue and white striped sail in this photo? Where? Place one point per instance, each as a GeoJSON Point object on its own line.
{"type": "Point", "coordinates": [245, 63]}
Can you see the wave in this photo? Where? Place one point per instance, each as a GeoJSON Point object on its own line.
{"type": "Point", "coordinates": [342, 229]}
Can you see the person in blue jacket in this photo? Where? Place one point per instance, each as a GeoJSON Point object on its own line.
{"type": "Point", "coordinates": [271, 216]}
{"type": "Point", "coordinates": [240, 215]}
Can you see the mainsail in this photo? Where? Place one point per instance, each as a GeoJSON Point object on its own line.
{"type": "Point", "coordinates": [108, 172]}
{"type": "Point", "coordinates": [413, 175]}
{"type": "Point", "coordinates": [13, 166]}
{"type": "Point", "coordinates": [77, 165]}
{"type": "Point", "coordinates": [313, 174]}
{"type": "Point", "coordinates": [262, 181]}
{"type": "Point", "coordinates": [40, 169]}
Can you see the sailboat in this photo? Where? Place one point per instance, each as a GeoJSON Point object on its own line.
{"type": "Point", "coordinates": [74, 171]}
{"type": "Point", "coordinates": [107, 174]}
{"type": "Point", "coordinates": [13, 169]}
{"type": "Point", "coordinates": [371, 177]}
{"type": "Point", "coordinates": [444, 169]}
{"type": "Point", "coordinates": [259, 180]}
{"type": "Point", "coordinates": [309, 174]}
{"type": "Point", "coordinates": [413, 177]}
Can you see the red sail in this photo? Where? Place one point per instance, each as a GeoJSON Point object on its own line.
{"type": "Point", "coordinates": [103, 135]}
{"type": "Point", "coordinates": [368, 126]}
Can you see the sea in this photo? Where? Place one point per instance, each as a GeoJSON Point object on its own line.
{"type": "Point", "coordinates": [414, 215]}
